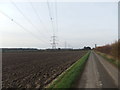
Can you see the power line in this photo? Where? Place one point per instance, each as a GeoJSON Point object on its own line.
{"type": "Point", "coordinates": [51, 18]}
{"type": "Point", "coordinates": [40, 20]}
{"type": "Point", "coordinates": [25, 17]}
{"type": "Point", "coordinates": [56, 15]}
{"type": "Point", "coordinates": [49, 10]}
{"type": "Point", "coordinates": [21, 26]}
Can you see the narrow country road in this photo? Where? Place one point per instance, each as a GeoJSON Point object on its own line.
{"type": "Point", "coordinates": [98, 73]}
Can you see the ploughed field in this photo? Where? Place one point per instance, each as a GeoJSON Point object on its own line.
{"type": "Point", "coordinates": [35, 69]}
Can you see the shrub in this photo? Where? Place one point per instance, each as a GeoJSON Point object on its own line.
{"type": "Point", "coordinates": [111, 49]}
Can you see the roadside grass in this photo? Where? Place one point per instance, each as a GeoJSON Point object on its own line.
{"type": "Point", "coordinates": [110, 59]}
{"type": "Point", "coordinates": [67, 78]}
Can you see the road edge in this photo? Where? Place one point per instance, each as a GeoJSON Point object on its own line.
{"type": "Point", "coordinates": [60, 78]}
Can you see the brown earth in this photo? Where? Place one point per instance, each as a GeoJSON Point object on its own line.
{"type": "Point", "coordinates": [35, 69]}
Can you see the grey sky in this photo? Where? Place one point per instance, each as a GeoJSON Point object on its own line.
{"type": "Point", "coordinates": [79, 24]}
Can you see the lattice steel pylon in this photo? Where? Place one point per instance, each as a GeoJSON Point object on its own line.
{"type": "Point", "coordinates": [54, 44]}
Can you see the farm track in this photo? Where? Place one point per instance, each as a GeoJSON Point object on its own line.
{"type": "Point", "coordinates": [35, 69]}
{"type": "Point", "coordinates": [98, 73]}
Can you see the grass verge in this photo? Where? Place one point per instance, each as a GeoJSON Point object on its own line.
{"type": "Point", "coordinates": [110, 59]}
{"type": "Point", "coordinates": [66, 79]}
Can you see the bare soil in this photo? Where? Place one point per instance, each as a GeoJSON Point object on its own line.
{"type": "Point", "coordinates": [35, 69]}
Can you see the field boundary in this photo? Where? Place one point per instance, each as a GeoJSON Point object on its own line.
{"type": "Point", "coordinates": [66, 79]}
{"type": "Point", "coordinates": [109, 59]}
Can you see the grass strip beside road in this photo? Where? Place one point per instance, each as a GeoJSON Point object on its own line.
{"type": "Point", "coordinates": [67, 78]}
{"type": "Point", "coordinates": [110, 59]}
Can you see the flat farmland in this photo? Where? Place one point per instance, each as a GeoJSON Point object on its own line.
{"type": "Point", "coordinates": [35, 69]}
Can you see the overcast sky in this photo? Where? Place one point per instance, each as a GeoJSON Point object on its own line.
{"type": "Point", "coordinates": [25, 24]}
